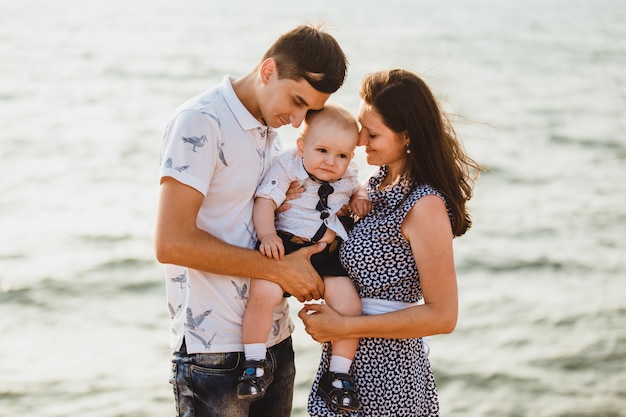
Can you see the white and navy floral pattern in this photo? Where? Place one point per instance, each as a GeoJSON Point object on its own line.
{"type": "Point", "coordinates": [393, 377]}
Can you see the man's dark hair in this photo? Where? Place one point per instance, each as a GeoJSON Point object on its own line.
{"type": "Point", "coordinates": [310, 53]}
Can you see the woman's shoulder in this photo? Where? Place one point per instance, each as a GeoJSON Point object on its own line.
{"type": "Point", "coordinates": [431, 200]}
{"type": "Point", "coordinates": [420, 191]}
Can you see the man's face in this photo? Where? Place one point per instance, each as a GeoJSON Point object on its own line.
{"type": "Point", "coordinates": [285, 101]}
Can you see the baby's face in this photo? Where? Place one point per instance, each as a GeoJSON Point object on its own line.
{"type": "Point", "coordinates": [327, 151]}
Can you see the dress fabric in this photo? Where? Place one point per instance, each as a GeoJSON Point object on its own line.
{"type": "Point", "coordinates": [393, 377]}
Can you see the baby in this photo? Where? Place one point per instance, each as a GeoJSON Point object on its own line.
{"type": "Point", "coordinates": [322, 164]}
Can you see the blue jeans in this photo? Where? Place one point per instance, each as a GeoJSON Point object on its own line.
{"type": "Point", "coordinates": [205, 384]}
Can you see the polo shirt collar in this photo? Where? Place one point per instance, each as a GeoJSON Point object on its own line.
{"type": "Point", "coordinates": [245, 119]}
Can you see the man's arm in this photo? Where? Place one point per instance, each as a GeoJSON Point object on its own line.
{"type": "Point", "coordinates": [179, 241]}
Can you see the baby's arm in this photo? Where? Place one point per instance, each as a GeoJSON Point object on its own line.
{"type": "Point", "coordinates": [263, 216]}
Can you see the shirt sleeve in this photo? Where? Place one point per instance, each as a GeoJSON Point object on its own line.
{"type": "Point", "coordinates": [352, 175]}
{"type": "Point", "coordinates": [189, 151]}
{"type": "Point", "coordinates": [276, 181]}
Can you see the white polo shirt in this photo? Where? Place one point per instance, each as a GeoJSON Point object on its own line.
{"type": "Point", "coordinates": [216, 146]}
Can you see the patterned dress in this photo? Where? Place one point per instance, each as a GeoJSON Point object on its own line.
{"type": "Point", "coordinates": [393, 377]}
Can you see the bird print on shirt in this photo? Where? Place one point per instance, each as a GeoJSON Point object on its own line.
{"type": "Point", "coordinates": [261, 151]}
{"type": "Point", "coordinates": [220, 152]}
{"type": "Point", "coordinates": [207, 344]}
{"type": "Point", "coordinates": [174, 311]}
{"type": "Point", "coordinates": [170, 164]}
{"type": "Point", "coordinates": [195, 141]}
{"type": "Point", "coordinates": [180, 279]}
{"type": "Point", "coordinates": [211, 115]}
{"type": "Point", "coordinates": [242, 292]}
{"type": "Point", "coordinates": [220, 144]}
{"type": "Point", "coordinates": [251, 233]}
{"type": "Point", "coordinates": [194, 323]}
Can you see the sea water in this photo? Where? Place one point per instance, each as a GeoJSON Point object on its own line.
{"type": "Point", "coordinates": [539, 93]}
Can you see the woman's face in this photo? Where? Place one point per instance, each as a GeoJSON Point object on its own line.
{"type": "Point", "coordinates": [382, 145]}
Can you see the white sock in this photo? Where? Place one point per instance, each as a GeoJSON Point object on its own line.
{"type": "Point", "coordinates": [341, 365]}
{"type": "Point", "coordinates": [255, 351]}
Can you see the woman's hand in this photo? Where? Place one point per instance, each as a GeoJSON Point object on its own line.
{"type": "Point", "coordinates": [322, 322]}
{"type": "Point", "coordinates": [294, 191]}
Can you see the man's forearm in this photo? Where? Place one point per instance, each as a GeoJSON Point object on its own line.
{"type": "Point", "coordinates": [205, 252]}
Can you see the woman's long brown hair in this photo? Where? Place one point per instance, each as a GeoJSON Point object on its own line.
{"type": "Point", "coordinates": [437, 157]}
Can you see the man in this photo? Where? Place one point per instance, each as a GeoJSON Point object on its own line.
{"type": "Point", "coordinates": [216, 149]}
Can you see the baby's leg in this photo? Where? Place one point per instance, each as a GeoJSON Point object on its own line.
{"type": "Point", "coordinates": [257, 319]}
{"type": "Point", "coordinates": [336, 385]}
{"type": "Point", "coordinates": [257, 324]}
{"type": "Point", "coordinates": [341, 295]}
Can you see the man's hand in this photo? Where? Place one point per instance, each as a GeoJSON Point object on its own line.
{"type": "Point", "coordinates": [295, 191]}
{"type": "Point", "coordinates": [297, 276]}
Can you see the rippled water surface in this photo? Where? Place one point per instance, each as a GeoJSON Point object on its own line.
{"type": "Point", "coordinates": [86, 89]}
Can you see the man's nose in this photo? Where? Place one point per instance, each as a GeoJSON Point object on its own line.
{"type": "Point", "coordinates": [297, 117]}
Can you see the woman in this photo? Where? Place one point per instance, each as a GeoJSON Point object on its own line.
{"type": "Point", "coordinates": [400, 256]}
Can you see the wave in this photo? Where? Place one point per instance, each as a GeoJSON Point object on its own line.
{"type": "Point", "coordinates": [495, 264]}
{"type": "Point", "coordinates": [612, 145]}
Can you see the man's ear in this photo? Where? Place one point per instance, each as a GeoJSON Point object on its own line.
{"type": "Point", "coordinates": [268, 68]}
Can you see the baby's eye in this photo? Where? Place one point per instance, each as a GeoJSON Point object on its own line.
{"type": "Point", "coordinates": [343, 156]}
{"type": "Point", "coordinates": [322, 150]}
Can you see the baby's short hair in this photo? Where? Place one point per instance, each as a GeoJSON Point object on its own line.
{"type": "Point", "coordinates": [335, 114]}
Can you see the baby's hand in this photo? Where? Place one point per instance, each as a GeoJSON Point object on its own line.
{"type": "Point", "coordinates": [360, 206]}
{"type": "Point", "coordinates": [272, 246]}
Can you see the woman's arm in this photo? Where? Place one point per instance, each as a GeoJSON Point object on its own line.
{"type": "Point", "coordinates": [427, 228]}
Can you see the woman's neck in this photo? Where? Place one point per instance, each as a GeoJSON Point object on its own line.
{"type": "Point", "coordinates": [394, 173]}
